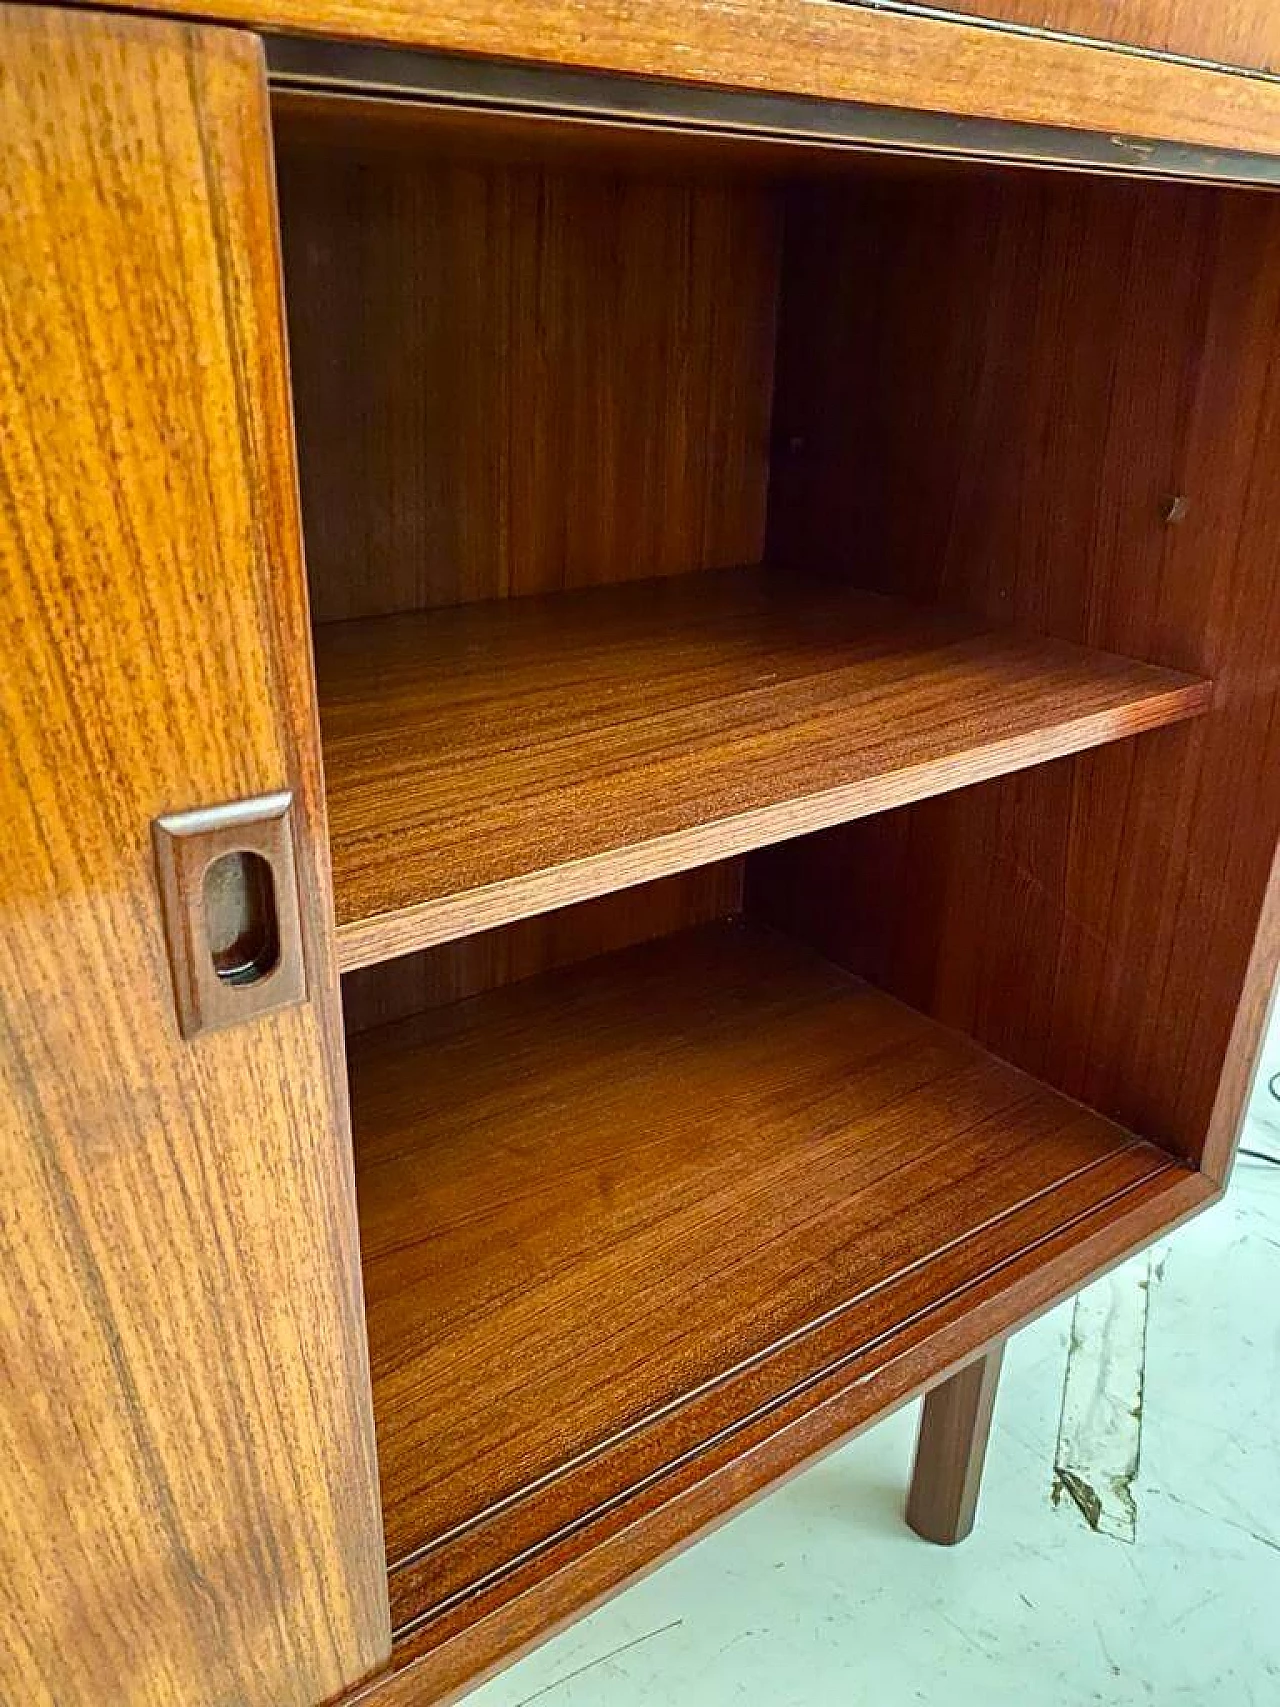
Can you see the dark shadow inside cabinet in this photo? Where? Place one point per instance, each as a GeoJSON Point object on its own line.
{"type": "Point", "coordinates": [789, 770]}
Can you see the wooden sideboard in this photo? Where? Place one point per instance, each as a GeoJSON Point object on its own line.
{"type": "Point", "coordinates": [738, 867]}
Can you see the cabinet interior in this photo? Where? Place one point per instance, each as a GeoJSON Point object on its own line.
{"type": "Point", "coordinates": [798, 813]}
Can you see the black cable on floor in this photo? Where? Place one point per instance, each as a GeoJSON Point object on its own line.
{"type": "Point", "coordinates": [1273, 1085]}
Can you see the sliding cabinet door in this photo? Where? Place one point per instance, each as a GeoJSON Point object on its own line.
{"type": "Point", "coordinates": [188, 1507]}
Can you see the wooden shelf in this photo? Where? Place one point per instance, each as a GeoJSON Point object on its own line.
{"type": "Point", "coordinates": [489, 761]}
{"type": "Point", "coordinates": [611, 1213]}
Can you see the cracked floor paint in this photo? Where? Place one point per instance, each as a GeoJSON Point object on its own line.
{"type": "Point", "coordinates": [1100, 1426]}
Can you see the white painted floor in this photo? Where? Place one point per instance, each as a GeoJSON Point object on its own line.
{"type": "Point", "coordinates": [820, 1597]}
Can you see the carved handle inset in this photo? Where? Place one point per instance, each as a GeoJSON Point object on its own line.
{"type": "Point", "coordinates": [230, 894]}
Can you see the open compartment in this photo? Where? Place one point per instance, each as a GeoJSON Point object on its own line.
{"type": "Point", "coordinates": [631, 1215]}
{"type": "Point", "coordinates": [767, 600]}
{"type": "Point", "coordinates": [534, 373]}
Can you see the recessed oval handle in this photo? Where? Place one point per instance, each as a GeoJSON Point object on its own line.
{"type": "Point", "coordinates": [240, 917]}
{"type": "Point", "coordinates": [232, 919]}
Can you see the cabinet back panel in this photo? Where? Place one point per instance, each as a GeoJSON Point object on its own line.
{"type": "Point", "coordinates": [395, 989]}
{"type": "Point", "coordinates": [515, 378]}
{"type": "Point", "coordinates": [997, 392]}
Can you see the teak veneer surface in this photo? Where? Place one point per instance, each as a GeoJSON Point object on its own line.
{"type": "Point", "coordinates": [188, 1500]}
{"type": "Point", "coordinates": [466, 966]}
{"type": "Point", "coordinates": [642, 1234]}
{"type": "Point", "coordinates": [494, 759]}
{"type": "Point", "coordinates": [371, 130]}
{"type": "Point", "coordinates": [610, 1212]}
{"type": "Point", "coordinates": [517, 378]}
{"type": "Point", "coordinates": [1232, 32]}
{"type": "Point", "coordinates": [1008, 432]}
{"type": "Point", "coordinates": [849, 52]}
{"type": "Point", "coordinates": [516, 1608]}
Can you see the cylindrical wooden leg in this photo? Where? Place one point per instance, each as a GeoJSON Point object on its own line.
{"type": "Point", "coordinates": [950, 1450]}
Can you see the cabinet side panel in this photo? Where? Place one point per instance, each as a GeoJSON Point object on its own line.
{"type": "Point", "coordinates": [188, 1509]}
{"type": "Point", "coordinates": [1057, 403]}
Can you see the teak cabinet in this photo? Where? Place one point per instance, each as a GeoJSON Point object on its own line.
{"type": "Point", "coordinates": [737, 868]}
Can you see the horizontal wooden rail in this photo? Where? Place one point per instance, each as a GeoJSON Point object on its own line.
{"type": "Point", "coordinates": [817, 48]}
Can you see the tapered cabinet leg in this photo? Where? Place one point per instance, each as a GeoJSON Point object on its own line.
{"type": "Point", "coordinates": [951, 1449]}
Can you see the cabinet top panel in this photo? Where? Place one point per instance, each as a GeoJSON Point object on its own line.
{"type": "Point", "coordinates": [1247, 32]}
{"type": "Point", "coordinates": [815, 49]}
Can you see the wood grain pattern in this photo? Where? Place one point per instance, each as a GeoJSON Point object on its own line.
{"type": "Point", "coordinates": [1231, 32]}
{"type": "Point", "coordinates": [748, 1123]}
{"type": "Point", "coordinates": [439, 1658]}
{"type": "Point", "coordinates": [452, 971]}
{"type": "Point", "coordinates": [951, 1447]}
{"type": "Point", "coordinates": [496, 759]}
{"type": "Point", "coordinates": [811, 47]}
{"type": "Point", "coordinates": [972, 447]}
{"type": "Point", "coordinates": [441, 1575]}
{"type": "Point", "coordinates": [188, 1509]}
{"type": "Point", "coordinates": [514, 379]}
{"type": "Point", "coordinates": [320, 122]}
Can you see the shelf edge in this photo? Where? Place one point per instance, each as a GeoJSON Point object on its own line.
{"type": "Point", "coordinates": [429, 1663]}
{"type": "Point", "coordinates": [424, 924]}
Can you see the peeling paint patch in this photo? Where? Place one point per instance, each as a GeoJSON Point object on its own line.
{"type": "Point", "coordinates": [1100, 1428]}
